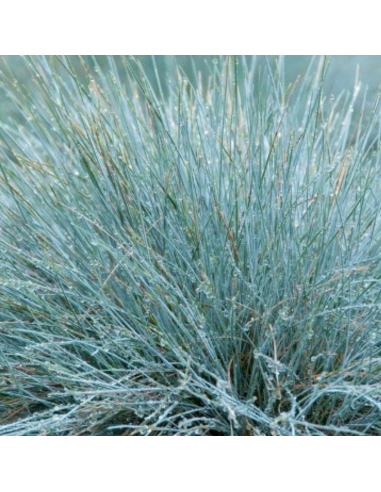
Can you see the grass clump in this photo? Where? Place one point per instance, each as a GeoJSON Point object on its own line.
{"type": "Point", "coordinates": [201, 263]}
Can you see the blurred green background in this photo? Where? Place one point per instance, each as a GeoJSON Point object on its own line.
{"type": "Point", "coordinates": [341, 75]}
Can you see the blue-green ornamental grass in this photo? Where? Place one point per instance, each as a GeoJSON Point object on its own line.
{"type": "Point", "coordinates": [199, 259]}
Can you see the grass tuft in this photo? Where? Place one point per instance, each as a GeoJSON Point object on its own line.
{"type": "Point", "coordinates": [204, 262]}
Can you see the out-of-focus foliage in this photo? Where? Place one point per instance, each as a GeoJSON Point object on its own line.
{"type": "Point", "coordinates": [341, 76]}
